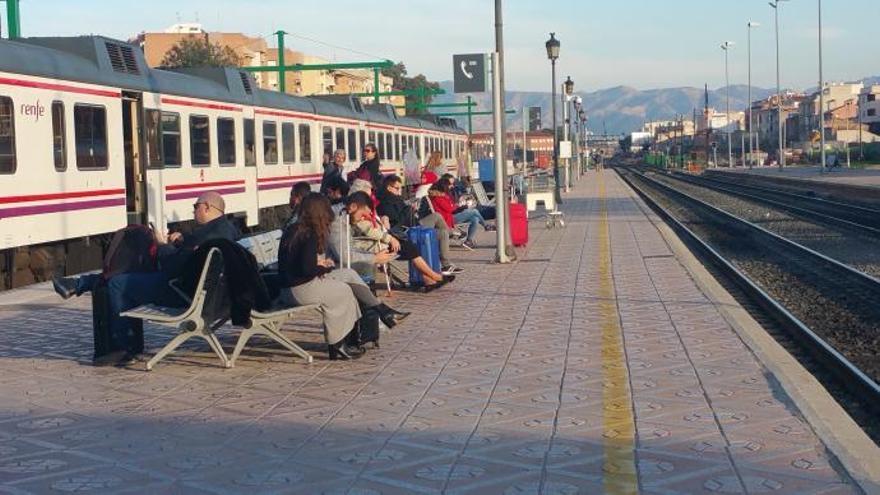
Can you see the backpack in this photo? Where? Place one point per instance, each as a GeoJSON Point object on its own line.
{"type": "Point", "coordinates": [133, 250]}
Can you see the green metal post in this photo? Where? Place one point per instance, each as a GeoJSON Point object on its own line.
{"type": "Point", "coordinates": [470, 115]}
{"type": "Point", "coordinates": [376, 85]}
{"type": "Point", "coordinates": [13, 19]}
{"type": "Point", "coordinates": [281, 79]}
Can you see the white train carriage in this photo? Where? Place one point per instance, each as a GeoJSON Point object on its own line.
{"type": "Point", "coordinates": [91, 139]}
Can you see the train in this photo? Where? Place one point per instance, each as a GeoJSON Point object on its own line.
{"type": "Point", "coordinates": [93, 139]}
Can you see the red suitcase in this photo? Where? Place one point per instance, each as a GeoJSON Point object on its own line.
{"type": "Point", "coordinates": [519, 224]}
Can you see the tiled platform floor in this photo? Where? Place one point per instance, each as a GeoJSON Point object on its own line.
{"type": "Point", "coordinates": [593, 365]}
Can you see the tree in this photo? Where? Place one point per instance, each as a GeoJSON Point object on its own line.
{"type": "Point", "coordinates": [197, 51]}
{"type": "Point", "coordinates": [402, 82]}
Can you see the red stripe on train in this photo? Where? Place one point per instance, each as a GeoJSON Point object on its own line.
{"type": "Point", "coordinates": [196, 194]}
{"type": "Point", "coordinates": [211, 106]}
{"type": "Point", "coordinates": [65, 195]}
{"type": "Point", "coordinates": [176, 187]}
{"type": "Point", "coordinates": [289, 177]}
{"type": "Point", "coordinates": [59, 87]}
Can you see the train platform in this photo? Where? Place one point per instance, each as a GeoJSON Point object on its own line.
{"type": "Point", "coordinates": [604, 361]}
{"type": "Point", "coordinates": [865, 177]}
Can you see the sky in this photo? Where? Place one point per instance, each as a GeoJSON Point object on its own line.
{"type": "Point", "coordinates": [645, 44]}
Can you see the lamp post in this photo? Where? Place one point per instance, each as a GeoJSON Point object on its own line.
{"type": "Point", "coordinates": [776, 4]}
{"type": "Point", "coordinates": [552, 46]}
{"type": "Point", "coordinates": [751, 160]}
{"type": "Point", "coordinates": [567, 91]}
{"type": "Point", "coordinates": [727, 46]}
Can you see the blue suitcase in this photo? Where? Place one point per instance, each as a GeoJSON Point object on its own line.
{"type": "Point", "coordinates": [425, 238]}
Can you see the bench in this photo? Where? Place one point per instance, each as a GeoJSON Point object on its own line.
{"type": "Point", "coordinates": [208, 310]}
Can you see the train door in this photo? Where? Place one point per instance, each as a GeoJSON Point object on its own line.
{"type": "Point", "coordinates": [135, 174]}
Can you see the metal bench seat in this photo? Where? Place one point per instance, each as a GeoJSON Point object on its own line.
{"type": "Point", "coordinates": [269, 323]}
{"type": "Point", "coordinates": [208, 310]}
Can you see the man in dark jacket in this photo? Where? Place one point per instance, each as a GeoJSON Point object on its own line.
{"type": "Point", "coordinates": [130, 290]}
{"type": "Point", "coordinates": [401, 216]}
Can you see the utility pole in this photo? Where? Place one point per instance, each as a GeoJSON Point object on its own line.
{"type": "Point", "coordinates": [504, 251]}
{"type": "Point", "coordinates": [776, 4]}
{"type": "Point", "coordinates": [821, 96]}
{"type": "Point", "coordinates": [13, 19]}
{"type": "Point", "coordinates": [726, 46]}
{"type": "Point", "coordinates": [751, 25]}
{"type": "Point", "coordinates": [281, 73]}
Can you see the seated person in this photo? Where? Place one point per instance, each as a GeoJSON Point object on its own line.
{"type": "Point", "coordinates": [364, 224]}
{"type": "Point", "coordinates": [459, 188]}
{"type": "Point", "coordinates": [303, 268]}
{"type": "Point", "coordinates": [130, 290]}
{"type": "Point", "coordinates": [401, 215]}
{"type": "Point", "coordinates": [297, 193]}
{"type": "Point", "coordinates": [443, 204]}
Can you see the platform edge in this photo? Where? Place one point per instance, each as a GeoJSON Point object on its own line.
{"type": "Point", "coordinates": [852, 447]}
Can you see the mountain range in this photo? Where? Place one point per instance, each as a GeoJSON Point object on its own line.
{"type": "Point", "coordinates": [617, 110]}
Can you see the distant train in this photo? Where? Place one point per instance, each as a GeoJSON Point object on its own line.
{"type": "Point", "coordinates": [92, 139]}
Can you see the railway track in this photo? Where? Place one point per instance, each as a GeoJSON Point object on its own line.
{"type": "Point", "coordinates": [830, 309]}
{"type": "Point", "coordinates": [858, 218]}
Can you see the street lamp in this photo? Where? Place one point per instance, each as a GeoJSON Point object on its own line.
{"type": "Point", "coordinates": [552, 46]}
{"type": "Point", "coordinates": [751, 25]}
{"type": "Point", "coordinates": [776, 4]}
{"type": "Point", "coordinates": [568, 90]}
{"type": "Point", "coordinates": [727, 46]}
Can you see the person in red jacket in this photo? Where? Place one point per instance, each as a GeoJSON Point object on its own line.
{"type": "Point", "coordinates": [443, 204]}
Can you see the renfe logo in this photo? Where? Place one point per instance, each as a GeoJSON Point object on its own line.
{"type": "Point", "coordinates": [36, 110]}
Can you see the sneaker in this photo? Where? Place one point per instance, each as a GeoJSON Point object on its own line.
{"type": "Point", "coordinates": [490, 227]}
{"type": "Point", "coordinates": [469, 245]}
{"type": "Point", "coordinates": [64, 286]}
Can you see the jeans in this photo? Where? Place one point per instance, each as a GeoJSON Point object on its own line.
{"type": "Point", "coordinates": [471, 217]}
{"type": "Point", "coordinates": [130, 290]}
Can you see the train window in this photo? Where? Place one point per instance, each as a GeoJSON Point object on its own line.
{"type": "Point", "coordinates": [171, 139]}
{"type": "Point", "coordinates": [327, 134]}
{"type": "Point", "coordinates": [397, 155]}
{"type": "Point", "coordinates": [288, 143]}
{"type": "Point", "coordinates": [373, 137]}
{"type": "Point", "coordinates": [200, 140]}
{"type": "Point", "coordinates": [340, 139]}
{"type": "Point", "coordinates": [363, 141]}
{"type": "Point", "coordinates": [59, 148]}
{"type": "Point", "coordinates": [7, 136]}
{"type": "Point", "coordinates": [250, 143]}
{"type": "Point", "coordinates": [381, 145]}
{"type": "Point", "coordinates": [403, 144]}
{"type": "Point", "coordinates": [305, 143]}
{"type": "Point", "coordinates": [152, 128]}
{"type": "Point", "coordinates": [418, 143]}
{"type": "Point", "coordinates": [389, 147]}
{"type": "Point", "coordinates": [352, 146]}
{"type": "Point", "coordinates": [90, 129]}
{"type": "Point", "coordinates": [226, 142]}
{"type": "Point", "coordinates": [270, 143]}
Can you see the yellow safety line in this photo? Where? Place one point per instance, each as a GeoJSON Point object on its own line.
{"type": "Point", "coordinates": [619, 465]}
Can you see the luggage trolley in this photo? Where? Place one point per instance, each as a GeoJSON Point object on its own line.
{"type": "Point", "coordinates": [540, 187]}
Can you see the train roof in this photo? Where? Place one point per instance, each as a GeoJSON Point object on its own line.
{"type": "Point", "coordinates": [109, 62]}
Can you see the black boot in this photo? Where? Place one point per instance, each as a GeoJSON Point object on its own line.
{"type": "Point", "coordinates": [344, 352]}
{"type": "Point", "coordinates": [390, 316]}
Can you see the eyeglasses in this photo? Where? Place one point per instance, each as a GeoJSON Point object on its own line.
{"type": "Point", "coordinates": [394, 188]}
{"type": "Point", "coordinates": [369, 150]}
{"type": "Point", "coordinates": [196, 205]}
